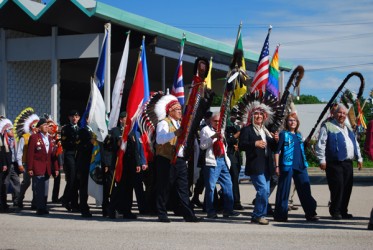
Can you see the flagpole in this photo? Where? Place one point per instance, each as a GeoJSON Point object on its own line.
{"type": "Point", "coordinates": [107, 86]}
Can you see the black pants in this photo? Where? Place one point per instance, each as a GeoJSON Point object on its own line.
{"type": "Point", "coordinates": [39, 191]}
{"type": "Point", "coordinates": [340, 179]}
{"type": "Point", "coordinates": [13, 180]}
{"type": "Point", "coordinates": [56, 187]}
{"type": "Point", "coordinates": [235, 171]}
{"type": "Point", "coordinates": [70, 195]}
{"type": "Point", "coordinates": [3, 194]}
{"type": "Point", "coordinates": [172, 176]}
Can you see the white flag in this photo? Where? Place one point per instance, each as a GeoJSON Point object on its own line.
{"type": "Point", "coordinates": [116, 99]}
{"type": "Point", "coordinates": [97, 113]}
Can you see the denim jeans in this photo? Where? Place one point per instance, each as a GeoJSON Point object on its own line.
{"type": "Point", "coordinates": [219, 174]}
{"type": "Point", "coordinates": [261, 184]}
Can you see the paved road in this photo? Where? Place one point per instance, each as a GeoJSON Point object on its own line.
{"type": "Point", "coordinates": [63, 230]}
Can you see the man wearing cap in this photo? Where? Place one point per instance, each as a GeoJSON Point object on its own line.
{"type": "Point", "coordinates": [69, 140]}
{"type": "Point", "coordinates": [39, 164]}
{"type": "Point", "coordinates": [167, 175]}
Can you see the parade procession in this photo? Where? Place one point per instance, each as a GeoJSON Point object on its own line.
{"type": "Point", "coordinates": [175, 151]}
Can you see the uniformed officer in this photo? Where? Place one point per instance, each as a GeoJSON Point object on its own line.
{"type": "Point", "coordinates": [69, 140]}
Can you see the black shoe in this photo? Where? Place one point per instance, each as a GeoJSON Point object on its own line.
{"type": "Point", "coordinates": [4, 210]}
{"type": "Point", "coordinates": [280, 219]}
{"type": "Point", "coordinates": [86, 215]}
{"type": "Point", "coordinates": [131, 216]}
{"type": "Point", "coordinates": [370, 226]}
{"type": "Point", "coordinates": [238, 207]}
{"type": "Point", "coordinates": [164, 219]}
{"type": "Point", "coordinates": [231, 214]}
{"type": "Point", "coordinates": [347, 216]}
{"type": "Point", "coordinates": [20, 205]}
{"type": "Point", "coordinates": [196, 202]}
{"type": "Point", "coordinates": [313, 218]}
{"type": "Point", "coordinates": [33, 207]}
{"type": "Point", "coordinates": [193, 219]}
{"type": "Point", "coordinates": [67, 206]}
{"type": "Point", "coordinates": [212, 216]}
{"type": "Point", "coordinates": [75, 209]}
{"type": "Point", "coordinates": [336, 216]}
{"type": "Point", "coordinates": [42, 212]}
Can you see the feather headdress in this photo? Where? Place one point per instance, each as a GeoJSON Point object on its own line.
{"type": "Point", "coordinates": [5, 124]}
{"type": "Point", "coordinates": [241, 113]}
{"type": "Point", "coordinates": [24, 121]}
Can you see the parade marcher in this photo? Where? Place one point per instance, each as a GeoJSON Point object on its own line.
{"type": "Point", "coordinates": [24, 127]}
{"type": "Point", "coordinates": [12, 180]}
{"type": "Point", "coordinates": [5, 161]}
{"type": "Point", "coordinates": [167, 131]}
{"type": "Point", "coordinates": [83, 162]}
{"type": "Point", "coordinates": [40, 165]}
{"type": "Point", "coordinates": [216, 170]}
{"type": "Point", "coordinates": [121, 199]}
{"type": "Point", "coordinates": [368, 148]}
{"type": "Point", "coordinates": [291, 163]}
{"type": "Point", "coordinates": [336, 148]}
{"type": "Point", "coordinates": [258, 144]}
{"type": "Point", "coordinates": [69, 141]}
{"type": "Point", "coordinates": [57, 155]}
{"type": "Point", "coordinates": [232, 135]}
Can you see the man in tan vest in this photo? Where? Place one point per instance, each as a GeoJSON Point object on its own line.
{"type": "Point", "coordinates": [169, 175]}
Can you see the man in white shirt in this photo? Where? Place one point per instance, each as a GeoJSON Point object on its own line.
{"type": "Point", "coordinates": [171, 175]}
{"type": "Point", "coordinates": [336, 149]}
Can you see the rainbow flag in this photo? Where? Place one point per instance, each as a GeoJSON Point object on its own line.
{"type": "Point", "coordinates": [274, 72]}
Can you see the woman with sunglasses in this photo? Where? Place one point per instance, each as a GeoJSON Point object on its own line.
{"type": "Point", "coordinates": [291, 162]}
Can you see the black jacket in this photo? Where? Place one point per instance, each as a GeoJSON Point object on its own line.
{"type": "Point", "coordinates": [256, 160]}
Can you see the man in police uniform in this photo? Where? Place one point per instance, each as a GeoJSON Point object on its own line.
{"type": "Point", "coordinates": [69, 140]}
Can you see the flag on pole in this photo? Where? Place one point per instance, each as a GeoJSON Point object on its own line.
{"type": "Point", "coordinates": [99, 74]}
{"type": "Point", "coordinates": [101, 63]}
{"type": "Point", "coordinates": [97, 113]}
{"type": "Point", "coordinates": [134, 104]}
{"type": "Point", "coordinates": [145, 72]}
{"type": "Point", "coordinates": [361, 121]}
{"type": "Point", "coordinates": [178, 85]}
{"type": "Point", "coordinates": [261, 75]}
{"type": "Point", "coordinates": [116, 100]}
{"type": "Point", "coordinates": [95, 187]}
{"type": "Point", "coordinates": [274, 72]}
{"type": "Point", "coordinates": [239, 91]}
{"type": "Point", "coordinates": [208, 79]}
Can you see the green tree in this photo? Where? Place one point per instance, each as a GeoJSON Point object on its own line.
{"type": "Point", "coordinates": [307, 99]}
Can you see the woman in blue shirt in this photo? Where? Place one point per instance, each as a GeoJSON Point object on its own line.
{"type": "Point", "coordinates": [291, 162]}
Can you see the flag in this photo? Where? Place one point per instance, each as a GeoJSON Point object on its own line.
{"type": "Point", "coordinates": [116, 100]}
{"type": "Point", "coordinates": [178, 85]}
{"type": "Point", "coordinates": [144, 137]}
{"type": "Point", "coordinates": [239, 91]}
{"type": "Point", "coordinates": [99, 74]}
{"type": "Point", "coordinates": [134, 104]}
{"type": "Point", "coordinates": [274, 72]}
{"type": "Point", "coordinates": [145, 72]}
{"type": "Point", "coordinates": [95, 187]}
{"type": "Point", "coordinates": [261, 75]}
{"type": "Point", "coordinates": [97, 113]}
{"type": "Point", "coordinates": [361, 121]}
{"type": "Point", "coordinates": [208, 78]}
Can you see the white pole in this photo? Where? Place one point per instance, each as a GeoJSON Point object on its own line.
{"type": "Point", "coordinates": [107, 86]}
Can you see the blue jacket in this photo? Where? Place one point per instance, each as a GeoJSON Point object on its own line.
{"type": "Point", "coordinates": [287, 150]}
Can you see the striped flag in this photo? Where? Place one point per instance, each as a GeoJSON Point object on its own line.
{"type": "Point", "coordinates": [134, 104]}
{"type": "Point", "coordinates": [178, 85]}
{"type": "Point", "coordinates": [261, 75]}
{"type": "Point", "coordinates": [274, 72]}
{"type": "Point", "coordinates": [116, 100]}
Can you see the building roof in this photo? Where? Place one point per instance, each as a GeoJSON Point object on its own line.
{"type": "Point", "coordinates": [50, 14]}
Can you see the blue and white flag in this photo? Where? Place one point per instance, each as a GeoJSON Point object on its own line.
{"type": "Point", "coordinates": [97, 113]}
